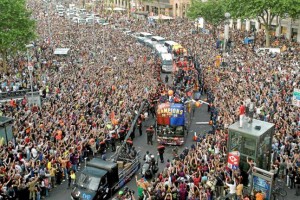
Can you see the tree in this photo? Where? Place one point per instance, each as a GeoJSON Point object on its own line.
{"type": "Point", "coordinates": [265, 11]}
{"type": "Point", "coordinates": [16, 28]}
{"type": "Point", "coordinates": [212, 11]}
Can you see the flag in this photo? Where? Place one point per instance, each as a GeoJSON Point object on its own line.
{"type": "Point", "coordinates": [112, 116]}
{"type": "Point", "coordinates": [131, 59]}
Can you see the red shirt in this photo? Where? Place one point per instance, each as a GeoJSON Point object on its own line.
{"type": "Point", "coordinates": [242, 110]}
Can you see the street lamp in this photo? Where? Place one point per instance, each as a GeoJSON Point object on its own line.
{"type": "Point", "coordinates": [226, 31]}
{"type": "Point", "coordinates": [48, 20]}
{"type": "Point", "coordinates": [254, 36]}
{"type": "Point", "coordinates": [30, 68]}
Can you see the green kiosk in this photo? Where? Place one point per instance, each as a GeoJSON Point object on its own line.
{"type": "Point", "coordinates": [253, 140]}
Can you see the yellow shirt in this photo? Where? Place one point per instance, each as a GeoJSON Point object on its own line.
{"type": "Point", "coordinates": [239, 189]}
{"type": "Point", "coordinates": [52, 171]}
{"type": "Point", "coordinates": [49, 165]}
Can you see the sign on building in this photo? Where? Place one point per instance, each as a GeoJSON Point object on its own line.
{"type": "Point", "coordinates": [233, 160]}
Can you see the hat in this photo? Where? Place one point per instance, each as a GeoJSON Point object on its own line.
{"type": "Point", "coordinates": [120, 192]}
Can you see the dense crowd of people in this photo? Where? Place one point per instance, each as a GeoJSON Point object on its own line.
{"type": "Point", "coordinates": [266, 81]}
{"type": "Point", "coordinates": [89, 98]}
{"type": "Point", "coordinates": [86, 99]}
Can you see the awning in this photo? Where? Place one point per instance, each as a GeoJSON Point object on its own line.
{"type": "Point", "coordinates": [61, 51]}
{"type": "Point", "coordinates": [119, 9]}
{"type": "Point", "coordinates": [164, 17]}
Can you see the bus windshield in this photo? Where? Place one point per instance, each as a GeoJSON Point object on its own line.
{"type": "Point", "coordinates": [169, 131]}
{"type": "Point", "coordinates": [167, 62]}
{"type": "Point", "coordinates": [88, 182]}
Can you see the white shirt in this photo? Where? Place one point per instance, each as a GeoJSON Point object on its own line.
{"type": "Point", "coordinates": [232, 188]}
{"type": "Point", "coordinates": [34, 152]}
{"type": "Point", "coordinates": [147, 158]}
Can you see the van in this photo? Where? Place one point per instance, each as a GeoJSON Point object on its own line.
{"type": "Point", "coordinates": [149, 43]}
{"type": "Point", "coordinates": [158, 39]}
{"type": "Point", "coordinates": [90, 20]}
{"type": "Point", "coordinates": [160, 49]}
{"type": "Point", "coordinates": [144, 34]}
{"type": "Point", "coordinates": [60, 7]}
{"type": "Point", "coordinates": [166, 62]}
{"type": "Point", "coordinates": [170, 44]}
{"type": "Point", "coordinates": [262, 51]}
{"type": "Point", "coordinates": [78, 20]}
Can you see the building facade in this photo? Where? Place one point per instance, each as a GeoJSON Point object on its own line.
{"type": "Point", "coordinates": [178, 8]}
{"type": "Point", "coordinates": [173, 8]}
{"type": "Point", "coordinates": [287, 27]}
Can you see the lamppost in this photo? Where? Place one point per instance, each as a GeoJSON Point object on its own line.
{"type": "Point", "coordinates": [48, 19]}
{"type": "Point", "coordinates": [226, 31]}
{"type": "Point", "coordinates": [30, 69]}
{"type": "Point", "coordinates": [254, 36]}
{"type": "Point", "coordinates": [94, 9]}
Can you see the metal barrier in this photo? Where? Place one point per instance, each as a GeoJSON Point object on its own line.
{"type": "Point", "coordinates": [119, 150]}
{"type": "Point", "coordinates": [13, 94]}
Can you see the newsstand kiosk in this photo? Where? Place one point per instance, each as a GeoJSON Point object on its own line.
{"type": "Point", "coordinates": [253, 140]}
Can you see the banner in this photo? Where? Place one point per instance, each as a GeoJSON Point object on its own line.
{"type": "Point", "coordinates": [171, 114]}
{"type": "Point", "coordinates": [233, 160]}
{"type": "Point", "coordinates": [296, 97]}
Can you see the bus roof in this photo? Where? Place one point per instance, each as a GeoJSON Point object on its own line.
{"type": "Point", "coordinates": [166, 56]}
{"type": "Point", "coordinates": [158, 38]}
{"type": "Point", "coordinates": [161, 49]}
{"type": "Point", "coordinates": [171, 43]}
{"type": "Point", "coordinates": [144, 34]}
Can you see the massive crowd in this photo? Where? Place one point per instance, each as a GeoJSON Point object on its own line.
{"type": "Point", "coordinates": [267, 81]}
{"type": "Point", "coordinates": [87, 97]}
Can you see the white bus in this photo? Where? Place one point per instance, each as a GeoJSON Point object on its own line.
{"type": "Point", "coordinates": [170, 44]}
{"type": "Point", "coordinates": [158, 39]}
{"type": "Point", "coordinates": [144, 34]}
{"type": "Point", "coordinates": [166, 62]}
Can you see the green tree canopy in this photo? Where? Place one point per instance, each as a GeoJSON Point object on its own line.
{"type": "Point", "coordinates": [267, 12]}
{"type": "Point", "coordinates": [212, 11]}
{"type": "Point", "coordinates": [16, 27]}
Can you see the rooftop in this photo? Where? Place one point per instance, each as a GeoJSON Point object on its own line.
{"type": "Point", "coordinates": [249, 128]}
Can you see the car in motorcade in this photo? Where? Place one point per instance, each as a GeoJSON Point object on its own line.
{"type": "Point", "coordinates": [134, 35]}
{"type": "Point", "coordinates": [128, 32]}
{"type": "Point", "coordinates": [82, 11]}
{"type": "Point", "coordinates": [60, 7]}
{"type": "Point", "coordinates": [60, 14]}
{"type": "Point", "coordinates": [169, 44]}
{"type": "Point", "coordinates": [166, 62]}
{"type": "Point", "coordinates": [78, 20]}
{"type": "Point", "coordinates": [100, 179]}
{"type": "Point", "coordinates": [158, 39]}
{"type": "Point", "coordinates": [149, 43]}
{"type": "Point", "coordinates": [141, 39]}
{"type": "Point", "coordinates": [90, 20]}
{"type": "Point", "coordinates": [160, 49]}
{"type": "Point", "coordinates": [100, 21]}
{"type": "Point", "coordinates": [262, 51]}
{"type": "Point", "coordinates": [145, 34]}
